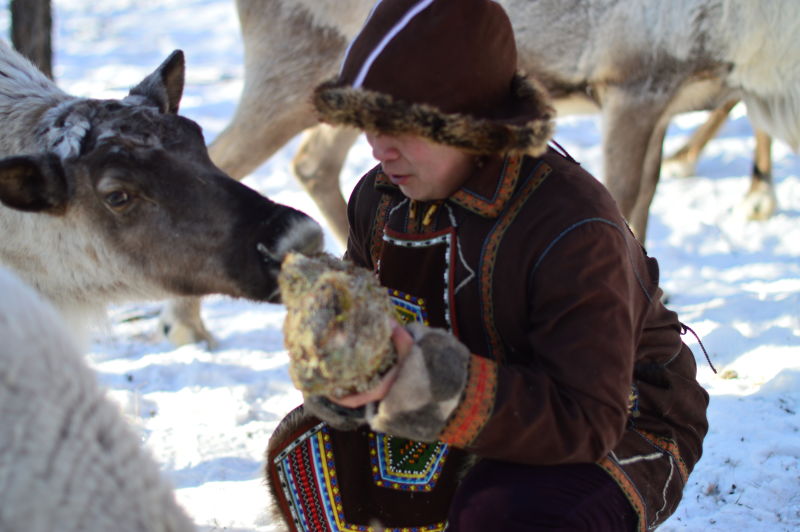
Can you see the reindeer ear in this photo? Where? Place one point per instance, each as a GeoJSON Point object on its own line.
{"type": "Point", "coordinates": [164, 87]}
{"type": "Point", "coordinates": [34, 183]}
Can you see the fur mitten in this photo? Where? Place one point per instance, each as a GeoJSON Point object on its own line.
{"type": "Point", "coordinates": [428, 387]}
{"type": "Point", "coordinates": [337, 416]}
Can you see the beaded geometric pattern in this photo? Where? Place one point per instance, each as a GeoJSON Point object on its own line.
{"type": "Point", "coordinates": [308, 479]}
{"type": "Point", "coordinates": [307, 475]}
{"type": "Point", "coordinates": [405, 465]}
{"type": "Point", "coordinates": [408, 308]}
{"type": "Point", "coordinates": [471, 415]}
{"type": "Point", "coordinates": [398, 463]}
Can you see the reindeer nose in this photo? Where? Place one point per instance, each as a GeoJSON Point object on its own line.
{"type": "Point", "coordinates": [304, 236]}
{"type": "Point", "coordinates": [310, 239]}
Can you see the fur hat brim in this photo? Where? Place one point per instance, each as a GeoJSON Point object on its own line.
{"type": "Point", "coordinates": [525, 129]}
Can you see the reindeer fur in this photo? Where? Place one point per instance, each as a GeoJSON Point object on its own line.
{"type": "Point", "coordinates": [69, 460]}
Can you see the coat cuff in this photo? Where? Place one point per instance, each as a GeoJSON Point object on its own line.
{"type": "Point", "coordinates": [429, 385]}
{"type": "Point", "coordinates": [476, 405]}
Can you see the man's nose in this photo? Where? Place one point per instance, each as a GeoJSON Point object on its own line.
{"type": "Point", "coordinates": [383, 149]}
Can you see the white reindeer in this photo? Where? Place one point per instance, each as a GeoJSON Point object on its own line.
{"type": "Point", "coordinates": [111, 200]}
{"type": "Point", "coordinates": [68, 459]}
{"type": "Point", "coordinates": [637, 62]}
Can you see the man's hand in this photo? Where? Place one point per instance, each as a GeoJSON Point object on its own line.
{"type": "Point", "coordinates": [416, 397]}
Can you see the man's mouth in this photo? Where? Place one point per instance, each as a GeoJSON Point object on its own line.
{"type": "Point", "coordinates": [398, 179]}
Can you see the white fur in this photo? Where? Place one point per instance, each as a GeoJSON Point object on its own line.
{"type": "Point", "coordinates": [51, 254]}
{"type": "Point", "coordinates": [68, 459]}
{"type": "Point", "coordinates": [757, 39]}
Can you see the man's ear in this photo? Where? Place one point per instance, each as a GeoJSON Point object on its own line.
{"type": "Point", "coordinates": [164, 87]}
{"type": "Point", "coordinates": [33, 183]}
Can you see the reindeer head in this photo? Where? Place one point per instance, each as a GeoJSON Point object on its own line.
{"type": "Point", "coordinates": [137, 207]}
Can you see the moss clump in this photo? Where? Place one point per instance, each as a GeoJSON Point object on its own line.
{"type": "Point", "coordinates": [338, 325]}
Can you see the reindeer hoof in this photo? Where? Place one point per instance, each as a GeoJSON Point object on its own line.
{"type": "Point", "coordinates": [760, 202]}
{"type": "Point", "coordinates": [677, 166]}
{"type": "Point", "coordinates": [181, 324]}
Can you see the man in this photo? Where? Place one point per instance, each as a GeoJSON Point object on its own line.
{"type": "Point", "coordinates": [541, 361]}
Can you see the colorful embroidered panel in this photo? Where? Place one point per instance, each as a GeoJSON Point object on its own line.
{"type": "Point", "coordinates": [405, 465]}
{"type": "Point", "coordinates": [408, 308]}
{"type": "Point", "coordinates": [308, 480]}
{"type": "Point", "coordinates": [398, 463]}
{"type": "Point", "coordinates": [307, 474]}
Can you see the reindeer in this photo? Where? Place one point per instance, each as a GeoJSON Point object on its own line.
{"type": "Point", "coordinates": [636, 62]}
{"type": "Point", "coordinates": [70, 460]}
{"type": "Point", "coordinates": [112, 200]}
{"type": "Point", "coordinates": [760, 202]}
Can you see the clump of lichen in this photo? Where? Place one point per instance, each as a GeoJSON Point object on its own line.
{"type": "Point", "coordinates": [338, 325]}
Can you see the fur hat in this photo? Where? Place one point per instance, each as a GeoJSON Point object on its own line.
{"type": "Point", "coordinates": [442, 69]}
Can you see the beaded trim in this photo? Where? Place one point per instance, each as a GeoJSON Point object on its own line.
{"type": "Point", "coordinates": [489, 257]}
{"type": "Point", "coordinates": [633, 401]}
{"type": "Point", "coordinates": [471, 415]}
{"type": "Point", "coordinates": [668, 446]}
{"type": "Point", "coordinates": [491, 207]}
{"type": "Point", "coordinates": [307, 475]}
{"type": "Point", "coordinates": [408, 308]}
{"type": "Point", "coordinates": [405, 465]}
{"type": "Point", "coordinates": [378, 224]}
{"type": "Point", "coordinates": [628, 488]}
{"type": "Point", "coordinates": [666, 449]}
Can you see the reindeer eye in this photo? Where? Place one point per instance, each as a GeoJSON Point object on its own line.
{"type": "Point", "coordinates": [118, 198]}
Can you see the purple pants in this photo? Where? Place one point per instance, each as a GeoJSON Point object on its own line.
{"type": "Point", "coordinates": [515, 498]}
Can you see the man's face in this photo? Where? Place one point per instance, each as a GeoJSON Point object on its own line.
{"type": "Point", "coordinates": [422, 169]}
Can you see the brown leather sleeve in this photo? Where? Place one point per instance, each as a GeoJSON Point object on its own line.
{"type": "Point", "coordinates": [569, 403]}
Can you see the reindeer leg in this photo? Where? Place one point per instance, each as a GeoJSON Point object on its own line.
{"type": "Point", "coordinates": [285, 56]}
{"type": "Point", "coordinates": [181, 323]}
{"type": "Point", "coordinates": [651, 170]}
{"type": "Point", "coordinates": [253, 137]}
{"type": "Point", "coordinates": [682, 163]}
{"type": "Point", "coordinates": [629, 120]}
{"type": "Point", "coordinates": [760, 202]}
{"type": "Point", "coordinates": [317, 165]}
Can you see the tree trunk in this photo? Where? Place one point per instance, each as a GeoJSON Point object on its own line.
{"type": "Point", "coordinates": [31, 28]}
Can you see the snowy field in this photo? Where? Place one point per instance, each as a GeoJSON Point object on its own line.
{"type": "Point", "coordinates": [207, 416]}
